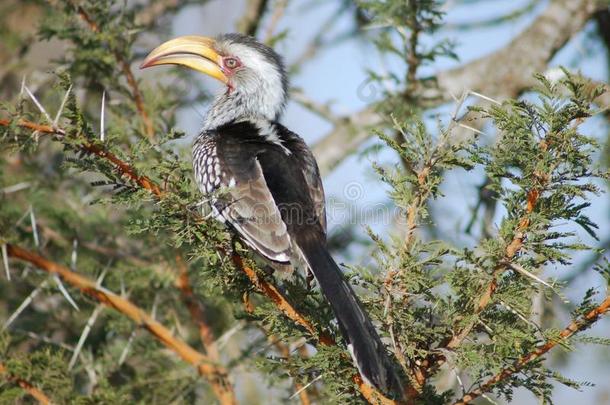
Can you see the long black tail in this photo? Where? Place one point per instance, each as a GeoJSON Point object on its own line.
{"type": "Point", "coordinates": [363, 341]}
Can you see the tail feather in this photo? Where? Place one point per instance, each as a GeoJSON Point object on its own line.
{"type": "Point", "coordinates": [364, 343]}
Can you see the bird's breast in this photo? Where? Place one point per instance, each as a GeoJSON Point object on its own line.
{"type": "Point", "coordinates": [206, 165]}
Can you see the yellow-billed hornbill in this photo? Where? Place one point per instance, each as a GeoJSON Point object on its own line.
{"type": "Point", "coordinates": [274, 195]}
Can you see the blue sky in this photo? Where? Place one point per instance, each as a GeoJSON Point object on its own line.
{"type": "Point", "coordinates": [337, 74]}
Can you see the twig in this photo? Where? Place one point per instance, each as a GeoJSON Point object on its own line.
{"type": "Point", "coordinates": [266, 288]}
{"type": "Point", "coordinates": [511, 250]}
{"type": "Point", "coordinates": [574, 327]}
{"type": "Point", "coordinates": [155, 9]}
{"type": "Point", "coordinates": [321, 110]}
{"type": "Point", "coordinates": [196, 309]}
{"type": "Point", "coordinates": [249, 23]}
{"type": "Point", "coordinates": [123, 168]}
{"type": "Point", "coordinates": [204, 367]}
{"type": "Point", "coordinates": [40, 396]}
{"type": "Point", "coordinates": [278, 12]}
{"type": "Point", "coordinates": [543, 38]}
{"type": "Point", "coordinates": [125, 66]}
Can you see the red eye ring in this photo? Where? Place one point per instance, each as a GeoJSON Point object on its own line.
{"type": "Point", "coordinates": [231, 63]}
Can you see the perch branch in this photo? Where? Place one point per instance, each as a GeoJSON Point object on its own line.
{"type": "Point", "coordinates": [40, 396]}
{"type": "Point", "coordinates": [125, 66]}
{"type": "Point", "coordinates": [216, 375]}
{"type": "Point", "coordinates": [574, 327]}
{"type": "Point", "coordinates": [266, 288]}
{"type": "Point", "coordinates": [196, 309]}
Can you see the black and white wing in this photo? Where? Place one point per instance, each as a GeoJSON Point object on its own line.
{"type": "Point", "coordinates": [307, 162]}
{"type": "Point", "coordinates": [227, 159]}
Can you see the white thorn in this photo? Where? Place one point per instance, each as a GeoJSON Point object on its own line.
{"type": "Point", "coordinates": [15, 187]}
{"type": "Point", "coordinates": [34, 227]}
{"type": "Point", "coordinates": [476, 131]}
{"type": "Point", "coordinates": [100, 279]}
{"type": "Point", "coordinates": [27, 301]}
{"type": "Point", "coordinates": [489, 399]}
{"type": "Point", "coordinates": [153, 311]}
{"type": "Point", "coordinates": [83, 336]}
{"type": "Point", "coordinates": [122, 286]}
{"type": "Point", "coordinates": [102, 116]}
{"type": "Point", "coordinates": [74, 255]}
{"type": "Point", "coordinates": [125, 351]}
{"type": "Point", "coordinates": [521, 269]}
{"type": "Point", "coordinates": [459, 380]}
{"type": "Point", "coordinates": [21, 90]}
{"type": "Point", "coordinates": [65, 293]}
{"type": "Point", "coordinates": [306, 386]}
{"type": "Point", "coordinates": [40, 107]}
{"type": "Point", "coordinates": [61, 106]}
{"type": "Point", "coordinates": [5, 261]}
{"type": "Point", "coordinates": [224, 338]}
{"type": "Point", "coordinates": [474, 93]}
{"type": "Point", "coordinates": [520, 316]}
{"type": "Point", "coordinates": [47, 340]}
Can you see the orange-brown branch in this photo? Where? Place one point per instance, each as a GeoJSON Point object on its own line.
{"type": "Point", "coordinates": [432, 362]}
{"type": "Point", "coordinates": [131, 80]}
{"type": "Point", "coordinates": [267, 289]}
{"type": "Point", "coordinates": [40, 396]}
{"type": "Point", "coordinates": [123, 167]}
{"type": "Point", "coordinates": [574, 327]}
{"type": "Point", "coordinates": [511, 250]}
{"type": "Point", "coordinates": [216, 374]}
{"type": "Point", "coordinates": [195, 308]}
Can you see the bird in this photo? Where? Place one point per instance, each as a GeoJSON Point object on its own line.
{"type": "Point", "coordinates": [273, 195]}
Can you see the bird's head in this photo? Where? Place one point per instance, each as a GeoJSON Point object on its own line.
{"type": "Point", "coordinates": [253, 72]}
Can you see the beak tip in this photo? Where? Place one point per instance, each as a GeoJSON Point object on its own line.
{"type": "Point", "coordinates": [145, 63]}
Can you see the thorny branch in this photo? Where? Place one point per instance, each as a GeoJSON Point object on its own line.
{"type": "Point", "coordinates": [216, 374]}
{"type": "Point", "coordinates": [263, 286]}
{"type": "Point", "coordinates": [149, 129]}
{"type": "Point", "coordinates": [27, 386]}
{"type": "Point", "coordinates": [574, 327]}
{"type": "Point", "coordinates": [196, 310]}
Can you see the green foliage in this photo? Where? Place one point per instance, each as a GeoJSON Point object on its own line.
{"type": "Point", "coordinates": [77, 209]}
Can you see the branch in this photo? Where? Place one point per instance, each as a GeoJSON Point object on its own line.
{"type": "Point", "coordinates": [249, 23]}
{"type": "Point", "coordinates": [503, 74]}
{"type": "Point", "coordinates": [570, 330]}
{"type": "Point", "coordinates": [196, 310]}
{"type": "Point", "coordinates": [121, 166]}
{"type": "Point", "coordinates": [510, 251]}
{"type": "Point", "coordinates": [155, 9]}
{"type": "Point", "coordinates": [40, 396]}
{"type": "Point", "coordinates": [266, 288]}
{"type": "Point", "coordinates": [215, 374]}
{"type": "Point", "coordinates": [125, 66]}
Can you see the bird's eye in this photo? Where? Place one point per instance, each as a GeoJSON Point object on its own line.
{"type": "Point", "coordinates": [231, 63]}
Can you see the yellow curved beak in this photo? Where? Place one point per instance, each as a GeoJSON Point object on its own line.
{"type": "Point", "coordinates": [192, 51]}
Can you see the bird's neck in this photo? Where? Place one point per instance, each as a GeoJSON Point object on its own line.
{"type": "Point", "coordinates": [234, 105]}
